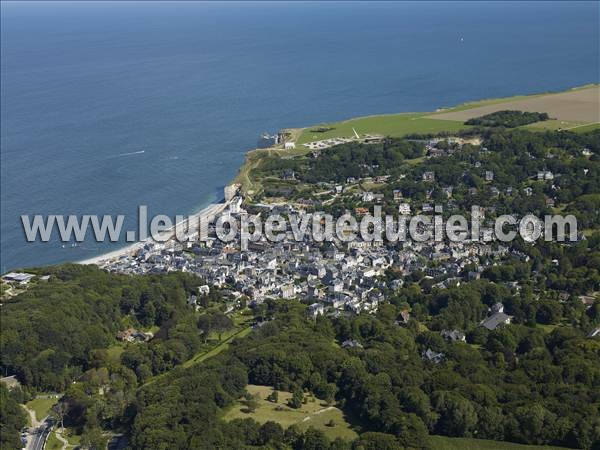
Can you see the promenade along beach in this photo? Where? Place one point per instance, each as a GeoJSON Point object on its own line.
{"type": "Point", "coordinates": [206, 215]}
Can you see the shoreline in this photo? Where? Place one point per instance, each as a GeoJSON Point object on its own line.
{"type": "Point", "coordinates": [206, 213]}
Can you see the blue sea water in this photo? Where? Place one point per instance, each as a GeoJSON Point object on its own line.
{"type": "Point", "coordinates": [86, 87]}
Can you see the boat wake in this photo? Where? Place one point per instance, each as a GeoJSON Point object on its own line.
{"type": "Point", "coordinates": [129, 154]}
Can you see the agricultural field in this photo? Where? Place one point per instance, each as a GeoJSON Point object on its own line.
{"type": "Point", "coordinates": [573, 108]}
{"type": "Point", "coordinates": [314, 413]}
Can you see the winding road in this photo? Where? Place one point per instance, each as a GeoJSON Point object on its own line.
{"type": "Point", "coordinates": [36, 438]}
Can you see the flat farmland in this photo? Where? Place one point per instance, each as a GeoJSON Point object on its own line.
{"type": "Point", "coordinates": [577, 106]}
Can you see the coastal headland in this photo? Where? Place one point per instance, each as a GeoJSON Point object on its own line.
{"type": "Point", "coordinates": [577, 109]}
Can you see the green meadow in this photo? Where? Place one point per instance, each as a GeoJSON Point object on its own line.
{"type": "Point", "coordinates": [314, 413]}
{"type": "Point", "coordinates": [395, 125]}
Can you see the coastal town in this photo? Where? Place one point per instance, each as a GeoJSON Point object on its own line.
{"type": "Point", "coordinates": [336, 277]}
{"type": "Point", "coordinates": [333, 278]}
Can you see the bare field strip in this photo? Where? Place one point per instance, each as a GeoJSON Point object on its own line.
{"type": "Point", "coordinates": [578, 105]}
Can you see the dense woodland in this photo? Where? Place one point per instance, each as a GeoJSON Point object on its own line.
{"type": "Point", "coordinates": [56, 331]}
{"type": "Point", "coordinates": [12, 417]}
{"type": "Point", "coordinates": [535, 381]}
{"type": "Point", "coordinates": [508, 119]}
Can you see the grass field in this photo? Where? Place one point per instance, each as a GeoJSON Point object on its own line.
{"type": "Point", "coordinates": [41, 407]}
{"type": "Point", "coordinates": [546, 328]}
{"type": "Point", "coordinates": [395, 125]}
{"type": "Point", "coordinates": [446, 443]}
{"type": "Point", "coordinates": [253, 159]}
{"type": "Point", "coordinates": [554, 124]}
{"type": "Point", "coordinates": [53, 442]}
{"type": "Point", "coordinates": [224, 344]}
{"type": "Point", "coordinates": [241, 329]}
{"type": "Point", "coordinates": [586, 128]}
{"type": "Point", "coordinates": [313, 413]}
{"type": "Point", "coordinates": [114, 353]}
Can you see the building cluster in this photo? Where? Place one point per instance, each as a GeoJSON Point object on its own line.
{"type": "Point", "coordinates": [133, 335]}
{"type": "Point", "coordinates": [331, 142]}
{"type": "Point", "coordinates": [332, 277]}
{"type": "Point", "coordinates": [337, 277]}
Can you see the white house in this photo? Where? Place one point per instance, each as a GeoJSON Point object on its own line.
{"type": "Point", "coordinates": [367, 196]}
{"type": "Point", "coordinates": [288, 291]}
{"type": "Point", "coordinates": [404, 208]}
{"type": "Point", "coordinates": [316, 309]}
{"type": "Point", "coordinates": [204, 289]}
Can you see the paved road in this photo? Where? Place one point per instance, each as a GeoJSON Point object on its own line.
{"type": "Point", "coordinates": [118, 442]}
{"type": "Point", "coordinates": [36, 438]}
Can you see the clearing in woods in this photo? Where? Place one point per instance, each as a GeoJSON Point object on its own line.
{"type": "Point", "coordinates": [314, 413]}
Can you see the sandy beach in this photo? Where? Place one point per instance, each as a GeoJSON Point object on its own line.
{"type": "Point", "coordinates": [206, 214]}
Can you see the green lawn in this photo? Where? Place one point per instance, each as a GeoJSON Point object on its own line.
{"type": "Point", "coordinates": [446, 443]}
{"type": "Point", "coordinates": [546, 328]}
{"type": "Point", "coordinates": [41, 407]}
{"type": "Point", "coordinates": [241, 329]}
{"type": "Point", "coordinates": [586, 128]}
{"type": "Point", "coordinates": [224, 344]}
{"type": "Point", "coordinates": [314, 414]}
{"type": "Point", "coordinates": [114, 353]}
{"type": "Point", "coordinates": [415, 161]}
{"type": "Point", "coordinates": [72, 438]}
{"type": "Point", "coordinates": [395, 125]}
{"type": "Point", "coordinates": [53, 442]}
{"type": "Point", "coordinates": [553, 124]}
